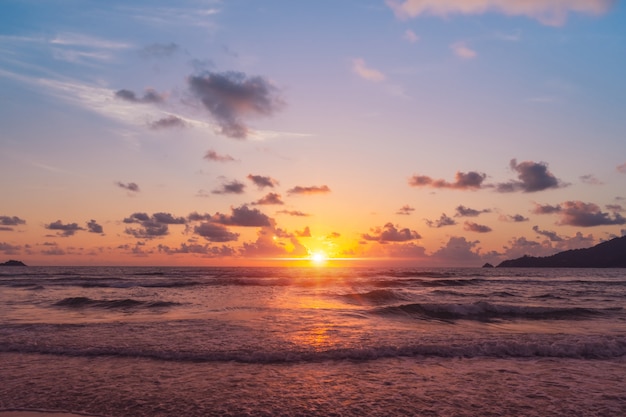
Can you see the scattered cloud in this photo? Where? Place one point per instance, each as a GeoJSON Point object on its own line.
{"type": "Point", "coordinates": [578, 213]}
{"type": "Point", "coordinates": [475, 227]}
{"type": "Point", "coordinates": [461, 50]}
{"type": "Point", "coordinates": [267, 246]}
{"type": "Point", "coordinates": [233, 187]}
{"type": "Point", "coordinates": [458, 251]}
{"type": "Point", "coordinates": [621, 168]}
{"type": "Point", "coordinates": [149, 96]}
{"type": "Point", "coordinates": [7, 223]}
{"type": "Point", "coordinates": [243, 216]}
{"type": "Point", "coordinates": [8, 249]}
{"type": "Point", "coordinates": [389, 233]}
{"type": "Point", "coordinates": [410, 36]}
{"type": "Point", "coordinates": [231, 97]}
{"type": "Point", "coordinates": [131, 186]}
{"type": "Point", "coordinates": [214, 232]}
{"type": "Point", "coordinates": [591, 180]}
{"type": "Point", "coordinates": [615, 207]}
{"type": "Point", "coordinates": [205, 250]}
{"type": "Point", "coordinates": [262, 182]}
{"type": "Point", "coordinates": [294, 213]}
{"type": "Point", "coordinates": [462, 211]}
{"type": "Point", "coordinates": [553, 236]}
{"type": "Point", "coordinates": [333, 235]}
{"type": "Point", "coordinates": [65, 230]}
{"type": "Point", "coordinates": [444, 220]}
{"type": "Point", "coordinates": [515, 218]}
{"type": "Point", "coordinates": [532, 177]}
{"type": "Point", "coordinates": [322, 189]}
{"type": "Point", "coordinates": [405, 210]}
{"type": "Point", "coordinates": [159, 50]}
{"type": "Point", "coordinates": [269, 199]}
{"type": "Point", "coordinates": [362, 70]}
{"type": "Point", "coordinates": [153, 226]}
{"type": "Point", "coordinates": [463, 181]}
{"type": "Point", "coordinates": [94, 227]}
{"type": "Point", "coordinates": [304, 233]}
{"type": "Point", "coordinates": [168, 122]}
{"type": "Point", "coordinates": [547, 12]}
{"type": "Point", "coordinates": [211, 155]}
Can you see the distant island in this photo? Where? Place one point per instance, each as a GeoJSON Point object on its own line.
{"type": "Point", "coordinates": [12, 262]}
{"type": "Point", "coordinates": [609, 254]}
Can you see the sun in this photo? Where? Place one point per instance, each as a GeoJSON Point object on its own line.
{"type": "Point", "coordinates": [318, 257]}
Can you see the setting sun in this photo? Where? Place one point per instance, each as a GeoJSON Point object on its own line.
{"type": "Point", "coordinates": [319, 257]}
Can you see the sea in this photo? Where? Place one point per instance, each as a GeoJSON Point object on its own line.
{"type": "Point", "coordinates": [312, 341]}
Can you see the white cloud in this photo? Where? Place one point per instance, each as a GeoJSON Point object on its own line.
{"type": "Point", "coordinates": [410, 36]}
{"type": "Point", "coordinates": [548, 12]}
{"type": "Point", "coordinates": [362, 70]}
{"type": "Point", "coordinates": [461, 50]}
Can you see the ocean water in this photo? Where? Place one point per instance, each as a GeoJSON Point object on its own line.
{"type": "Point", "coordinates": [313, 341]}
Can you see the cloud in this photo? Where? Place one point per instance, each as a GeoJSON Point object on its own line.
{"type": "Point", "coordinates": [261, 181]}
{"type": "Point", "coordinates": [475, 227]}
{"type": "Point", "coordinates": [94, 227]}
{"type": "Point", "coordinates": [545, 209]}
{"type": "Point", "coordinates": [65, 230]}
{"type": "Point", "coordinates": [294, 213]}
{"type": "Point", "coordinates": [389, 233]}
{"type": "Point", "coordinates": [547, 12]}
{"type": "Point", "coordinates": [621, 168]}
{"type": "Point", "coordinates": [410, 36]}
{"type": "Point", "coordinates": [516, 218]}
{"type": "Point", "coordinates": [6, 221]}
{"type": "Point", "coordinates": [405, 210]}
{"type": "Point", "coordinates": [444, 220]}
{"type": "Point", "coordinates": [462, 211]}
{"type": "Point", "coordinates": [578, 213]}
{"type": "Point", "coordinates": [211, 155]}
{"type": "Point", "coordinates": [458, 251]}
{"type": "Point", "coordinates": [131, 186]}
{"type": "Point", "coordinates": [323, 189]}
{"type": "Point", "coordinates": [9, 249]}
{"type": "Point", "coordinates": [194, 248]}
{"type": "Point", "coordinates": [269, 199]}
{"type": "Point", "coordinates": [267, 246]}
{"type": "Point", "coordinates": [590, 179]}
{"type": "Point", "coordinates": [243, 216]}
{"type": "Point", "coordinates": [553, 236]}
{"type": "Point", "coordinates": [463, 181]}
{"type": "Point", "coordinates": [168, 122]}
{"type": "Point", "coordinates": [233, 187]}
{"type": "Point", "coordinates": [232, 96]}
{"type": "Point", "coordinates": [614, 207]}
{"type": "Point", "coordinates": [304, 233]}
{"type": "Point", "coordinates": [333, 235]}
{"type": "Point", "coordinates": [156, 225]}
{"type": "Point", "coordinates": [159, 50]}
{"type": "Point", "coordinates": [149, 96]}
{"type": "Point", "coordinates": [215, 232]}
{"type": "Point", "coordinates": [362, 70]}
{"type": "Point", "coordinates": [532, 177]}
{"type": "Point", "coordinates": [461, 50]}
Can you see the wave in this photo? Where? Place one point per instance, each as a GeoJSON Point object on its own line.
{"type": "Point", "coordinates": [589, 347]}
{"type": "Point", "coordinates": [484, 311]}
{"type": "Point", "coordinates": [374, 297]}
{"type": "Point", "coordinates": [127, 303]}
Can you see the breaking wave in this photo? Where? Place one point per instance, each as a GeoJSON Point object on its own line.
{"type": "Point", "coordinates": [484, 311]}
{"type": "Point", "coordinates": [127, 303]}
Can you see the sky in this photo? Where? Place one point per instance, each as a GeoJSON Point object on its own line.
{"type": "Point", "coordinates": [240, 132]}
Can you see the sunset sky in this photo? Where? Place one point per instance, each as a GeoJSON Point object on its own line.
{"type": "Point", "coordinates": [417, 132]}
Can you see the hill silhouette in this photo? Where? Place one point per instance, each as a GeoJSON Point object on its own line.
{"type": "Point", "coordinates": [609, 254]}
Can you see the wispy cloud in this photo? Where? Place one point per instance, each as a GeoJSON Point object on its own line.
{"type": "Point", "coordinates": [360, 68]}
{"type": "Point", "coordinates": [548, 12]}
{"type": "Point", "coordinates": [461, 50]}
{"type": "Point", "coordinates": [315, 189]}
{"type": "Point", "coordinates": [410, 36]}
{"type": "Point", "coordinates": [463, 181]}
